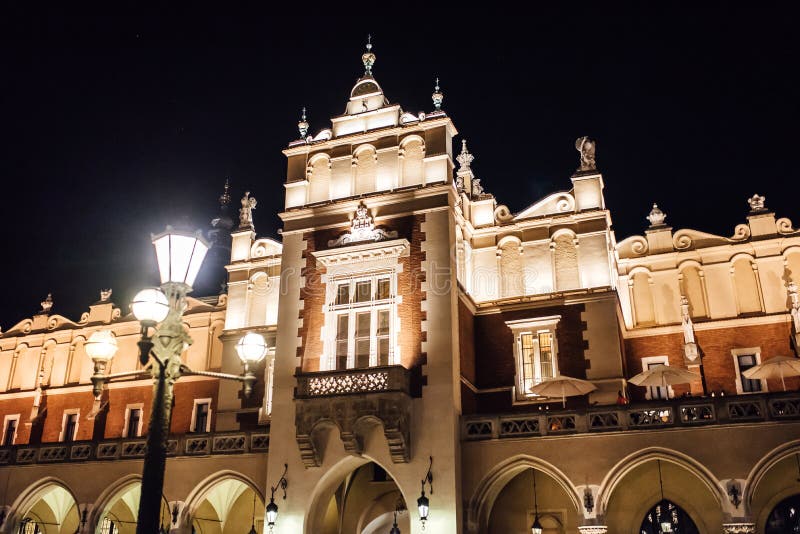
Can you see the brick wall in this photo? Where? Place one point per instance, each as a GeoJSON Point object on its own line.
{"type": "Point", "coordinates": [716, 346]}
{"type": "Point", "coordinates": [494, 353]}
{"type": "Point", "coordinates": [409, 284]}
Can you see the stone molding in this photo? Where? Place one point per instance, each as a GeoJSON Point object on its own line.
{"type": "Point", "coordinates": [738, 528]}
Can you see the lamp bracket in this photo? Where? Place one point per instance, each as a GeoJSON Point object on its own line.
{"type": "Point", "coordinates": [282, 483]}
{"type": "Point", "coordinates": [428, 479]}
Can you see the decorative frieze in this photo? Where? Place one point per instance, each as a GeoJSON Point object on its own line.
{"type": "Point", "coordinates": [593, 529]}
{"type": "Point", "coordinates": [738, 528]}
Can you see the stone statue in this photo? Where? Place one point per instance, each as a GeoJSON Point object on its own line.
{"type": "Point", "coordinates": [105, 294]}
{"type": "Point", "coordinates": [47, 304]}
{"type": "Point", "coordinates": [757, 203]}
{"type": "Point", "coordinates": [246, 213]}
{"type": "Point", "coordinates": [586, 147]}
{"type": "Point", "coordinates": [656, 217]}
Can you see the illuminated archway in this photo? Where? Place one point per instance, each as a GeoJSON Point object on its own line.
{"type": "Point", "coordinates": [47, 507]}
{"type": "Point", "coordinates": [225, 503]}
{"type": "Point", "coordinates": [120, 509]}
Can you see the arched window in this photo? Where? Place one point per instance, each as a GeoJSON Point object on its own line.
{"type": "Point", "coordinates": [320, 179]}
{"type": "Point", "coordinates": [366, 171]}
{"type": "Point", "coordinates": [643, 299]}
{"type": "Point", "coordinates": [565, 255]}
{"type": "Point", "coordinates": [511, 281]}
{"type": "Point", "coordinates": [413, 154]}
{"type": "Point", "coordinates": [694, 291]}
{"type": "Point", "coordinates": [668, 512]}
{"type": "Point", "coordinates": [746, 286]}
{"type": "Point", "coordinates": [785, 517]}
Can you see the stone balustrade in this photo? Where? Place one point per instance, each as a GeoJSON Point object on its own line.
{"type": "Point", "coordinates": [135, 448]}
{"type": "Point", "coordinates": [684, 412]}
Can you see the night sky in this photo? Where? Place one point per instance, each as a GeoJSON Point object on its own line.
{"type": "Point", "coordinates": [114, 126]}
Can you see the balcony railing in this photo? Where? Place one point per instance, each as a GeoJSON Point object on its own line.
{"type": "Point", "coordinates": [128, 449]}
{"type": "Point", "coordinates": [353, 381]}
{"type": "Point", "coordinates": [686, 412]}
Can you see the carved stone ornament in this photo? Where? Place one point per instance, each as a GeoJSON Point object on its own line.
{"type": "Point", "coordinates": [586, 147]}
{"type": "Point", "coordinates": [362, 228]}
{"type": "Point", "coordinates": [246, 212]}
{"type": "Point", "coordinates": [593, 529]}
{"type": "Point", "coordinates": [656, 217]}
{"type": "Point", "coordinates": [464, 159]}
{"type": "Point", "coordinates": [795, 311]}
{"type": "Point", "coordinates": [105, 294]}
{"type": "Point", "coordinates": [47, 304]}
{"type": "Point", "coordinates": [738, 528]}
{"type": "Point", "coordinates": [437, 96]}
{"type": "Point", "coordinates": [756, 203]}
{"type": "Point", "coordinates": [302, 126]}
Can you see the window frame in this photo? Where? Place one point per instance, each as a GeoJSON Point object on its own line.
{"type": "Point", "coordinates": [64, 418]}
{"type": "Point", "coordinates": [6, 419]}
{"type": "Point", "coordinates": [534, 326]}
{"type": "Point", "coordinates": [747, 351]}
{"type": "Point", "coordinates": [648, 393]}
{"type": "Point", "coordinates": [335, 308]}
{"type": "Point", "coordinates": [128, 408]}
{"type": "Point", "coordinates": [193, 422]}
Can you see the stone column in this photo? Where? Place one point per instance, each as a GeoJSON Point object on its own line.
{"type": "Point", "coordinates": [742, 526]}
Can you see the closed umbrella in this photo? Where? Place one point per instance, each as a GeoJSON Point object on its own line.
{"type": "Point", "coordinates": [663, 375]}
{"type": "Point", "coordinates": [777, 367]}
{"type": "Point", "coordinates": [562, 386]}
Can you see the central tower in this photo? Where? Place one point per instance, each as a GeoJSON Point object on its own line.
{"type": "Point", "coordinates": [371, 372]}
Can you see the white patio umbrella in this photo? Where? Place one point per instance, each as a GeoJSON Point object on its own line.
{"type": "Point", "coordinates": [663, 376]}
{"type": "Point", "coordinates": [562, 386]}
{"type": "Point", "coordinates": [777, 367]}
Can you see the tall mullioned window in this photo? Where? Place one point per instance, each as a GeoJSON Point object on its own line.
{"type": "Point", "coordinates": [360, 318]}
{"type": "Point", "coordinates": [535, 352]}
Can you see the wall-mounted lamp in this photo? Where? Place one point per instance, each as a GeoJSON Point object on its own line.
{"type": "Point", "coordinates": [423, 504]}
{"type": "Point", "coordinates": [272, 508]}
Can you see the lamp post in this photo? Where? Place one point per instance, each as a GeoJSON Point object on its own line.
{"type": "Point", "coordinates": [179, 256]}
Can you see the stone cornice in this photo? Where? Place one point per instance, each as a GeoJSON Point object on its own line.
{"type": "Point", "coordinates": [358, 253]}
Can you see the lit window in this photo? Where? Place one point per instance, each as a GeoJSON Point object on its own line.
{"type": "Point", "coordinates": [133, 421]}
{"type": "Point", "coordinates": [10, 430]}
{"type": "Point", "coordinates": [108, 527]}
{"type": "Point", "coordinates": [744, 359]}
{"type": "Point", "coordinates": [535, 352]}
{"type": "Point", "coordinates": [201, 416]}
{"type": "Point", "coordinates": [69, 426]}
{"type": "Point", "coordinates": [360, 316]}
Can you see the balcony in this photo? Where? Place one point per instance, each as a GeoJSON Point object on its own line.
{"type": "Point", "coordinates": [353, 400]}
{"type": "Point", "coordinates": [132, 449]}
{"type": "Point", "coordinates": [683, 413]}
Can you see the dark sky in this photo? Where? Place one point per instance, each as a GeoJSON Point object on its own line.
{"type": "Point", "coordinates": [115, 125]}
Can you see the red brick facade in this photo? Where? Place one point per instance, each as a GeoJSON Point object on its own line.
{"type": "Point", "coordinates": [715, 346]}
{"type": "Point", "coordinates": [409, 288]}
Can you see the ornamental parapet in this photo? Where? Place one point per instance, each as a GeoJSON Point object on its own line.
{"type": "Point", "coordinates": [132, 449]}
{"type": "Point", "coordinates": [354, 400]}
{"type": "Point", "coordinates": [676, 413]}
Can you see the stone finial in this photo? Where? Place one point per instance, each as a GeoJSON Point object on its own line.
{"type": "Point", "coordinates": [105, 294]}
{"type": "Point", "coordinates": [757, 203]}
{"type": "Point", "coordinates": [225, 197]}
{"type": "Point", "coordinates": [465, 159]}
{"type": "Point", "coordinates": [368, 57]}
{"type": "Point", "coordinates": [47, 304]}
{"type": "Point", "coordinates": [246, 212]}
{"type": "Point", "coordinates": [656, 217]}
{"type": "Point", "coordinates": [437, 96]}
{"type": "Point", "coordinates": [302, 126]}
{"type": "Point", "coordinates": [586, 147]}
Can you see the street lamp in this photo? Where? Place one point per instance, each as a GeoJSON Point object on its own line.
{"type": "Point", "coordinates": [163, 340]}
{"type": "Point", "coordinates": [423, 504]}
{"type": "Point", "coordinates": [272, 508]}
{"type": "Point", "coordinates": [536, 527]}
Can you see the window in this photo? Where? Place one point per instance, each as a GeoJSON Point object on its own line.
{"type": "Point", "coordinates": [201, 416]}
{"type": "Point", "coordinates": [361, 311]}
{"type": "Point", "coordinates": [108, 526]}
{"type": "Point", "coordinates": [744, 359]}
{"type": "Point", "coordinates": [133, 421]}
{"type": "Point", "coordinates": [535, 352]}
{"type": "Point", "coordinates": [10, 426]}
{"type": "Point", "coordinates": [656, 392]}
{"type": "Point", "coordinates": [28, 526]}
{"type": "Point", "coordinates": [69, 426]}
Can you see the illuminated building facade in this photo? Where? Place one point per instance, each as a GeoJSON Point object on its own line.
{"type": "Point", "coordinates": [409, 314]}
